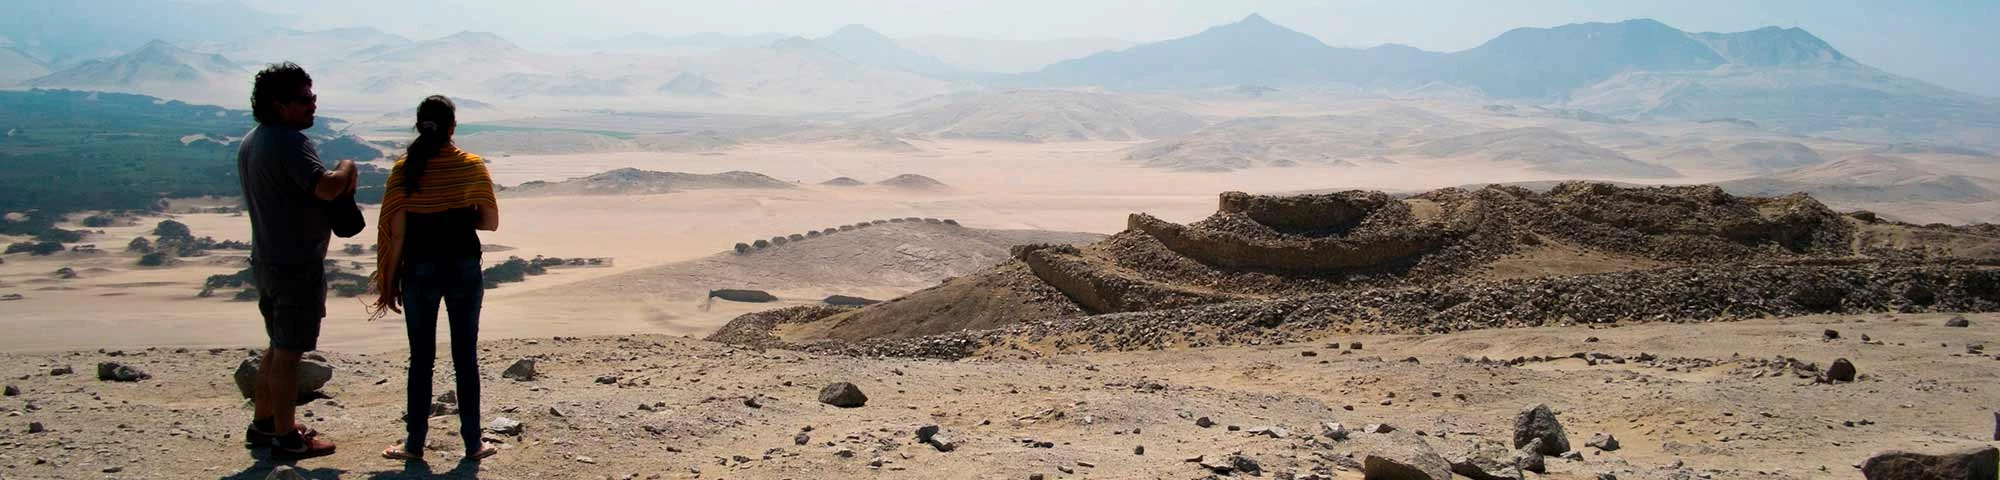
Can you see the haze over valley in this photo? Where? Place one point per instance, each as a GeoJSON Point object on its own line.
{"type": "Point", "coordinates": [1046, 245]}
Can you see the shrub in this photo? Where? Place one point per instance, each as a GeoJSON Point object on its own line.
{"type": "Point", "coordinates": [140, 245]}
{"type": "Point", "coordinates": [99, 221]}
{"type": "Point", "coordinates": [351, 249]}
{"type": "Point", "coordinates": [778, 240]}
{"type": "Point", "coordinates": [65, 272]}
{"type": "Point", "coordinates": [172, 229]}
{"type": "Point", "coordinates": [153, 259]}
{"type": "Point", "coordinates": [513, 270]}
{"type": "Point", "coordinates": [246, 295]}
{"type": "Point", "coordinates": [20, 247]}
{"type": "Point", "coordinates": [795, 237]}
{"type": "Point", "coordinates": [742, 248]}
{"type": "Point", "coordinates": [761, 244]}
{"type": "Point", "coordinates": [59, 235]}
{"type": "Point", "coordinates": [45, 248]}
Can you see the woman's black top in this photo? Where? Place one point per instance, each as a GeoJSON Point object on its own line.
{"type": "Point", "coordinates": [446, 235]}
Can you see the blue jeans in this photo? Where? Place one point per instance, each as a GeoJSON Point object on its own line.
{"type": "Point", "coordinates": [458, 284]}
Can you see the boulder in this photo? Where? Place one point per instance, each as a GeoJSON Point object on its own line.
{"type": "Point", "coordinates": [1404, 457]}
{"type": "Point", "coordinates": [1968, 464]}
{"type": "Point", "coordinates": [314, 373]}
{"type": "Point", "coordinates": [522, 370]}
{"type": "Point", "coordinates": [1538, 422]}
{"type": "Point", "coordinates": [284, 472]}
{"type": "Point", "coordinates": [116, 372]}
{"type": "Point", "coordinates": [1958, 321]}
{"type": "Point", "coordinates": [937, 437]}
{"type": "Point", "coordinates": [1602, 441]}
{"type": "Point", "coordinates": [843, 395]}
{"type": "Point", "coordinates": [1841, 371]}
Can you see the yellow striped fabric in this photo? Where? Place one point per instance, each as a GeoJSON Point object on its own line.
{"type": "Point", "coordinates": [453, 179]}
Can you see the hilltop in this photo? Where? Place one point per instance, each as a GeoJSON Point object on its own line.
{"type": "Point", "coordinates": [1270, 268]}
{"type": "Point", "coordinates": [632, 181]}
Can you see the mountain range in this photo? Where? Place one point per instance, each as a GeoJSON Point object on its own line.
{"type": "Point", "coordinates": [1783, 79]}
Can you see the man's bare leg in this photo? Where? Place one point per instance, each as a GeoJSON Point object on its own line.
{"type": "Point", "coordinates": [262, 394]}
{"type": "Point", "coordinates": [280, 378]}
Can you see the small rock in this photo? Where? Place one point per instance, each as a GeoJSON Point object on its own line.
{"type": "Point", "coordinates": [584, 459]}
{"type": "Point", "coordinates": [1590, 340]}
{"type": "Point", "coordinates": [1204, 422]}
{"type": "Point", "coordinates": [801, 439]}
{"type": "Point", "coordinates": [843, 395]}
{"type": "Point", "coordinates": [1958, 321]}
{"type": "Point", "coordinates": [1602, 441]}
{"type": "Point", "coordinates": [62, 370]}
{"type": "Point", "coordinates": [1273, 432]}
{"type": "Point", "coordinates": [36, 427]}
{"type": "Point", "coordinates": [449, 396]}
{"type": "Point", "coordinates": [843, 452]}
{"type": "Point", "coordinates": [1538, 422]}
{"type": "Point", "coordinates": [113, 469]}
{"type": "Point", "coordinates": [1333, 431]}
{"type": "Point", "coordinates": [1308, 354]}
{"type": "Point", "coordinates": [284, 472]}
{"type": "Point", "coordinates": [504, 426]}
{"type": "Point", "coordinates": [522, 370]}
{"type": "Point", "coordinates": [117, 372]}
{"type": "Point", "coordinates": [13, 390]}
{"type": "Point", "coordinates": [1354, 346]}
{"type": "Point", "coordinates": [1529, 457]}
{"type": "Point", "coordinates": [1841, 371]}
{"type": "Point", "coordinates": [1573, 455]}
{"type": "Point", "coordinates": [608, 380]}
{"type": "Point", "coordinates": [753, 401]}
{"type": "Point", "coordinates": [1975, 462]}
{"type": "Point", "coordinates": [1378, 428]}
{"type": "Point", "coordinates": [1831, 334]}
{"type": "Point", "coordinates": [1230, 464]}
{"type": "Point", "coordinates": [1139, 450]}
{"type": "Point", "coordinates": [937, 438]}
{"type": "Point", "coordinates": [1606, 476]}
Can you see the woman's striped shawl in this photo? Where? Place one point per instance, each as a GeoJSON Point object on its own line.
{"type": "Point", "coordinates": [453, 179]}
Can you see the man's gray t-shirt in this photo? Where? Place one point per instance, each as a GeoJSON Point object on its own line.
{"type": "Point", "coordinates": [280, 168]}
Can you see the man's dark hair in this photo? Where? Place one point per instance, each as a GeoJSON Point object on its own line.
{"type": "Point", "coordinates": [278, 82]}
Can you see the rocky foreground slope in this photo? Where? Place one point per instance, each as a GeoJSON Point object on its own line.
{"type": "Point", "coordinates": [1276, 268]}
{"type": "Point", "coordinates": [1756, 399]}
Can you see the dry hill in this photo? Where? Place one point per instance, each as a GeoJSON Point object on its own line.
{"type": "Point", "coordinates": [1272, 268]}
{"type": "Point", "coordinates": [631, 181]}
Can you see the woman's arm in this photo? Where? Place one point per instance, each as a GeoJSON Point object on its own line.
{"type": "Point", "coordinates": [489, 217]}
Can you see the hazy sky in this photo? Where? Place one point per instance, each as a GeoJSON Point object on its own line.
{"type": "Point", "coordinates": [1951, 43]}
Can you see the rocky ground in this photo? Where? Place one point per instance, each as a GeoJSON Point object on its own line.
{"type": "Point", "coordinates": [1717, 400]}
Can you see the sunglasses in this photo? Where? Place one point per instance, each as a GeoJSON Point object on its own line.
{"type": "Point", "coordinates": [309, 99]}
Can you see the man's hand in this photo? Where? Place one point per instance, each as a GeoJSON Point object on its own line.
{"type": "Point", "coordinates": [341, 179]}
{"type": "Point", "coordinates": [353, 181]}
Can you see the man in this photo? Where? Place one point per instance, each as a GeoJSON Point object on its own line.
{"type": "Point", "coordinates": [288, 193]}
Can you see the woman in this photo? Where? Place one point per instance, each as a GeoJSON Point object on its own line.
{"type": "Point", "coordinates": [427, 251]}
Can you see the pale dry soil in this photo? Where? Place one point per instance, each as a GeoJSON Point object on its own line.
{"type": "Point", "coordinates": [1064, 187]}
{"type": "Point", "coordinates": [1919, 390]}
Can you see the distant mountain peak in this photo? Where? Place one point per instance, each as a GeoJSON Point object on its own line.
{"type": "Point", "coordinates": [1255, 19]}
{"type": "Point", "coordinates": [856, 30]}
